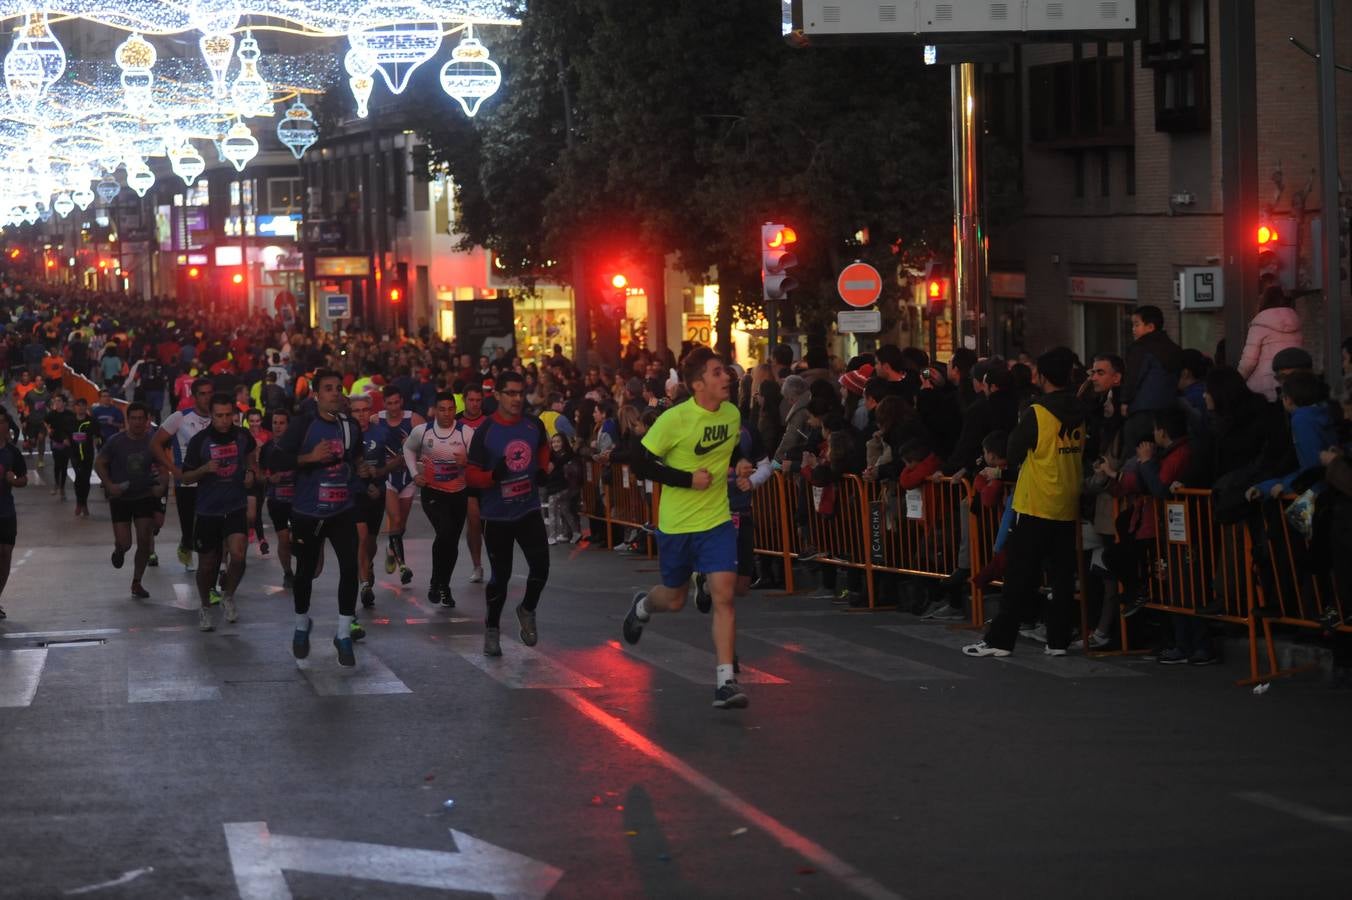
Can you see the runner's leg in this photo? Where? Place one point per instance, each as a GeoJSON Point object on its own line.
{"type": "Point", "coordinates": [6, 556]}
{"type": "Point", "coordinates": [499, 538]}
{"type": "Point", "coordinates": [721, 587]}
{"type": "Point", "coordinates": [307, 548]}
{"type": "Point", "coordinates": [145, 542]}
{"type": "Point", "coordinates": [530, 536]}
{"type": "Point", "coordinates": [475, 536]}
{"type": "Point", "coordinates": [234, 567]}
{"type": "Point", "coordinates": [185, 500]}
{"type": "Point", "coordinates": [208, 562]}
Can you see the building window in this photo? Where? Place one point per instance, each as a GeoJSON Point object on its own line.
{"type": "Point", "coordinates": [284, 195]}
{"type": "Point", "coordinates": [1079, 174]}
{"type": "Point", "coordinates": [1080, 102]}
{"type": "Point", "coordinates": [1177, 49]}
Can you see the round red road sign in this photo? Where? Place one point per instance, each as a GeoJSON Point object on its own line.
{"type": "Point", "coordinates": [860, 285]}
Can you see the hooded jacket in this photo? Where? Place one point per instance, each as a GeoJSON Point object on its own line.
{"type": "Point", "coordinates": [1311, 431]}
{"type": "Point", "coordinates": [1048, 447]}
{"type": "Point", "coordinates": [1270, 332]}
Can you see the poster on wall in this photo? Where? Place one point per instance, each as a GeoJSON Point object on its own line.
{"type": "Point", "coordinates": [484, 326]}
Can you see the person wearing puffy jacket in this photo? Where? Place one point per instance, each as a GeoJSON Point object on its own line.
{"type": "Point", "coordinates": [1275, 328]}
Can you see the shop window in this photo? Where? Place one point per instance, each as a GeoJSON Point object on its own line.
{"type": "Point", "coordinates": [284, 195]}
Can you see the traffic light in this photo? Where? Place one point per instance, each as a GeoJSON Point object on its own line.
{"type": "Point", "coordinates": [1276, 240]}
{"type": "Point", "coordinates": [937, 284]}
{"type": "Point", "coordinates": [777, 260]}
{"type": "Point", "coordinates": [194, 272]}
{"type": "Point", "coordinates": [237, 278]}
{"type": "Point", "coordinates": [396, 294]}
{"type": "Point", "coordinates": [615, 297]}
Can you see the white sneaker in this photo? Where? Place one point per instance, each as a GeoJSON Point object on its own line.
{"type": "Point", "coordinates": [577, 536]}
{"type": "Point", "coordinates": [1053, 651]}
{"type": "Point", "coordinates": [478, 576]}
{"type": "Point", "coordinates": [1037, 633]}
{"type": "Point", "coordinates": [983, 649]}
{"type": "Point", "coordinates": [231, 612]}
{"type": "Point", "coordinates": [553, 541]}
{"type": "Point", "coordinates": [204, 622]}
{"type": "Point", "coordinates": [1096, 641]}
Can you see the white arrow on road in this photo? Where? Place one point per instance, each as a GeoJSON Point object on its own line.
{"type": "Point", "coordinates": [259, 858]}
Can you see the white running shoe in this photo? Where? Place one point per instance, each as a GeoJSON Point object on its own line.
{"type": "Point", "coordinates": [1053, 651]}
{"type": "Point", "coordinates": [231, 612]}
{"type": "Point", "coordinates": [981, 648]}
{"type": "Point", "coordinates": [478, 576]}
{"type": "Point", "coordinates": [1096, 641]}
{"type": "Point", "coordinates": [204, 622]}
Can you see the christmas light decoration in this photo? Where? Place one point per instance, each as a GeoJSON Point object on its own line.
{"type": "Point", "coordinates": [216, 50]}
{"type": "Point", "coordinates": [250, 93]}
{"type": "Point", "coordinates": [400, 38]}
{"type": "Point", "coordinates": [239, 145]}
{"type": "Point", "coordinates": [107, 189]}
{"type": "Point", "coordinates": [297, 130]}
{"type": "Point", "coordinates": [140, 179]}
{"type": "Point", "coordinates": [470, 77]}
{"type": "Point", "coordinates": [187, 163]}
{"type": "Point", "coordinates": [360, 70]}
{"type": "Point", "coordinates": [63, 205]}
{"type": "Point", "coordinates": [136, 57]}
{"type": "Point", "coordinates": [82, 197]}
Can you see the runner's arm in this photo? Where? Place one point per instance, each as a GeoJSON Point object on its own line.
{"type": "Point", "coordinates": [411, 446]}
{"type": "Point", "coordinates": [648, 466]}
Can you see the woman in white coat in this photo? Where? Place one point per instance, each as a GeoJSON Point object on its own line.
{"type": "Point", "coordinates": [1276, 327]}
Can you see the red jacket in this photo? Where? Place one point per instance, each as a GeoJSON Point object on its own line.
{"type": "Point", "coordinates": [915, 474]}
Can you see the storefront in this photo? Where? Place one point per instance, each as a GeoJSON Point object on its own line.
{"type": "Point", "coordinates": [1008, 292]}
{"type": "Point", "coordinates": [1100, 313]}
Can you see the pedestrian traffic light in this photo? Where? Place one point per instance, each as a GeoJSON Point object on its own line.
{"type": "Point", "coordinates": [937, 283]}
{"type": "Point", "coordinates": [777, 260]}
{"type": "Point", "coordinates": [396, 294]}
{"type": "Point", "coordinates": [615, 296]}
{"type": "Point", "coordinates": [1267, 236]}
{"type": "Point", "coordinates": [1276, 240]}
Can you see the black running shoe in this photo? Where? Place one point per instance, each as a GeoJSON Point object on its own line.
{"type": "Point", "coordinates": [300, 640]}
{"type": "Point", "coordinates": [527, 619]}
{"type": "Point", "coordinates": [633, 625]}
{"type": "Point", "coordinates": [346, 657]}
{"type": "Point", "coordinates": [263, 548]}
{"type": "Point", "coordinates": [139, 592]}
{"type": "Point", "coordinates": [703, 600]}
{"type": "Point", "coordinates": [119, 556]}
{"type": "Point", "coordinates": [730, 696]}
{"type": "Point", "coordinates": [288, 581]}
{"type": "Point", "coordinates": [368, 596]}
{"type": "Point", "coordinates": [405, 575]}
{"type": "Point", "coordinates": [154, 560]}
{"type": "Point", "coordinates": [492, 642]}
{"type": "Point", "coordinates": [356, 630]}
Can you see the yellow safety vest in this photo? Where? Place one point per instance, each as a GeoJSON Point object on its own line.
{"type": "Point", "coordinates": [1052, 474]}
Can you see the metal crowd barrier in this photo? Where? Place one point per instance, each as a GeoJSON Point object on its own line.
{"type": "Point", "coordinates": [630, 502]}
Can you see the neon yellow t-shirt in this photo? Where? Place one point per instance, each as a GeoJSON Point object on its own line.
{"type": "Point", "coordinates": [688, 437]}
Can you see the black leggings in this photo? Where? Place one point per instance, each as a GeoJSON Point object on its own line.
{"type": "Point", "coordinates": [529, 533]}
{"type": "Point", "coordinates": [83, 471]}
{"type": "Point", "coordinates": [446, 511]}
{"type": "Point", "coordinates": [60, 459]}
{"type": "Point", "coordinates": [185, 499]}
{"type": "Point", "coordinates": [307, 545]}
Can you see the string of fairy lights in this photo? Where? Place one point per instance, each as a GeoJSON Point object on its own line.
{"type": "Point", "coordinates": [77, 130]}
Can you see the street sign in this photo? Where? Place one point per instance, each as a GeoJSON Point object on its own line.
{"type": "Point", "coordinates": [339, 306]}
{"type": "Point", "coordinates": [859, 321]}
{"type": "Point", "coordinates": [860, 285]}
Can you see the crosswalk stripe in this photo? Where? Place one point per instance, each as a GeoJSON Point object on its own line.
{"type": "Point", "coordinates": [170, 671]}
{"type": "Point", "coordinates": [690, 663]}
{"type": "Point", "coordinates": [519, 667]}
{"type": "Point", "coordinates": [854, 657]}
{"type": "Point", "coordinates": [20, 671]}
{"type": "Point", "coordinates": [369, 676]}
{"type": "Point", "coordinates": [1027, 655]}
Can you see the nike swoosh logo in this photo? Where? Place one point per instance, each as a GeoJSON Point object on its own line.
{"type": "Point", "coordinates": [701, 449]}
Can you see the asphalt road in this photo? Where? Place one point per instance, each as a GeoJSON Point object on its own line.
{"type": "Point", "coordinates": [143, 759]}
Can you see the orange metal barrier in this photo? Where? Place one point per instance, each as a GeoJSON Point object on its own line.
{"type": "Point", "coordinates": [983, 528]}
{"type": "Point", "coordinates": [916, 532]}
{"type": "Point", "coordinates": [590, 500]}
{"type": "Point", "coordinates": [772, 525]}
{"type": "Point", "coordinates": [837, 535]}
{"type": "Point", "coordinates": [628, 503]}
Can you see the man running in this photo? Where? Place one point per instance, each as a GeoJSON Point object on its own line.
{"type": "Point", "coordinates": [83, 446]}
{"type": "Point", "coordinates": [281, 492]}
{"type": "Point", "coordinates": [253, 420]}
{"type": "Point", "coordinates": [134, 483]}
{"type": "Point", "coordinates": [13, 474]}
{"type": "Point", "coordinates": [473, 417]}
{"type": "Point", "coordinates": [694, 527]}
{"type": "Point", "coordinates": [34, 406]}
{"type": "Point", "coordinates": [109, 417]}
{"type": "Point", "coordinates": [180, 428]}
{"type": "Point", "coordinates": [508, 459]}
{"type": "Point", "coordinates": [382, 452]}
{"type": "Point", "coordinates": [399, 488]}
{"type": "Point", "coordinates": [325, 451]}
{"type": "Point", "coordinates": [436, 453]}
{"type": "Point", "coordinates": [223, 461]}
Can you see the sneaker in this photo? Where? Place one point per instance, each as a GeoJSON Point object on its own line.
{"type": "Point", "coordinates": [982, 648]}
{"type": "Point", "coordinates": [946, 613]}
{"type": "Point", "coordinates": [553, 541]}
{"type": "Point", "coordinates": [288, 581]}
{"type": "Point", "coordinates": [478, 575]}
{"type": "Point", "coordinates": [492, 642]}
{"type": "Point", "coordinates": [1203, 659]}
{"type": "Point", "coordinates": [730, 696]}
{"type": "Point", "coordinates": [405, 575]}
{"type": "Point", "coordinates": [263, 548]}
{"type": "Point", "coordinates": [154, 560]}
{"type": "Point", "coordinates": [231, 611]}
{"type": "Point", "coordinates": [633, 625]}
{"type": "Point", "coordinates": [368, 595]}
{"type": "Point", "coordinates": [204, 622]}
{"type": "Point", "coordinates": [1132, 607]}
{"type": "Point", "coordinates": [300, 640]}
{"type": "Point", "coordinates": [215, 597]}
{"type": "Point", "coordinates": [390, 562]}
{"type": "Point", "coordinates": [346, 656]}
{"type": "Point", "coordinates": [185, 557]}
{"type": "Point", "coordinates": [1173, 657]}
{"type": "Point", "coordinates": [447, 601]}
{"type": "Point", "coordinates": [1096, 642]}
{"type": "Point", "coordinates": [1049, 650]}
{"type": "Point", "coordinates": [139, 592]}
{"type": "Point", "coordinates": [577, 536]}
{"type": "Point", "coordinates": [119, 556]}
{"type": "Point", "coordinates": [355, 631]}
{"type": "Point", "coordinates": [526, 617]}
{"type": "Point", "coordinates": [704, 601]}
{"type": "Point", "coordinates": [808, 554]}
{"type": "Point", "coordinates": [841, 597]}
{"type": "Point", "coordinates": [1036, 633]}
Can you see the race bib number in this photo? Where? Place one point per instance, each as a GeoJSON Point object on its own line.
{"type": "Point", "coordinates": [285, 492]}
{"type": "Point", "coordinates": [332, 493]}
{"type": "Point", "coordinates": [226, 457]}
{"type": "Point", "coordinates": [515, 489]}
{"type": "Point", "coordinates": [79, 437]}
{"type": "Point", "coordinates": [444, 471]}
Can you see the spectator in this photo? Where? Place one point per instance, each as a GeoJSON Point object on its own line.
{"type": "Point", "coordinates": [1276, 327]}
{"type": "Point", "coordinates": [1151, 380]}
{"type": "Point", "coordinates": [1311, 432]}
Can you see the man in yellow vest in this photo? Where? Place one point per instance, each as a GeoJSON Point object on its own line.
{"type": "Point", "coordinates": [1047, 446]}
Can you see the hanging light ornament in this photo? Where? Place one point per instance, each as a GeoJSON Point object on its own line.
{"type": "Point", "coordinates": [45, 214]}
{"type": "Point", "coordinates": [139, 178]}
{"type": "Point", "coordinates": [470, 77]}
{"type": "Point", "coordinates": [38, 34]}
{"type": "Point", "coordinates": [216, 50]}
{"type": "Point", "coordinates": [360, 70]}
{"type": "Point", "coordinates": [251, 94]}
{"type": "Point", "coordinates": [239, 145]}
{"type": "Point", "coordinates": [24, 75]}
{"type": "Point", "coordinates": [136, 57]}
{"type": "Point", "coordinates": [187, 162]}
{"type": "Point", "coordinates": [401, 37]}
{"type": "Point", "coordinates": [82, 197]}
{"type": "Point", "coordinates": [107, 189]}
{"type": "Point", "coordinates": [63, 205]}
{"type": "Point", "coordinates": [297, 130]}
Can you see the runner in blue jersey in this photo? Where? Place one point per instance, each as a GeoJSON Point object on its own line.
{"type": "Point", "coordinates": [380, 453]}
{"type": "Point", "coordinates": [325, 450]}
{"type": "Point", "coordinates": [508, 460]}
{"type": "Point", "coordinates": [177, 430]}
{"type": "Point", "coordinates": [281, 491]}
{"type": "Point", "coordinates": [399, 486]}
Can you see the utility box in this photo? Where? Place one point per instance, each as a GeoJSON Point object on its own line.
{"type": "Point", "coordinates": [1200, 288]}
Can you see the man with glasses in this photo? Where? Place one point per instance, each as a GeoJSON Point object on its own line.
{"type": "Point", "coordinates": [180, 428]}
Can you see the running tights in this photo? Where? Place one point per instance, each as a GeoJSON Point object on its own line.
{"type": "Point", "coordinates": [527, 532]}
{"type": "Point", "coordinates": [446, 511]}
{"type": "Point", "coordinates": [60, 459]}
{"type": "Point", "coordinates": [83, 471]}
{"type": "Point", "coordinates": [307, 547]}
{"type": "Point", "coordinates": [185, 499]}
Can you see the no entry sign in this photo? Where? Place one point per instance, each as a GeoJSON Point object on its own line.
{"type": "Point", "coordinates": [860, 285]}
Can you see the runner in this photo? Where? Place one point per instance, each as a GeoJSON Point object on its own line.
{"type": "Point", "coordinates": [258, 493]}
{"type": "Point", "coordinates": [326, 452]}
{"type": "Point", "coordinates": [60, 426]}
{"type": "Point", "coordinates": [223, 461]}
{"type": "Point", "coordinates": [13, 474]}
{"type": "Point", "coordinates": [749, 447]}
{"type": "Point", "coordinates": [473, 416]}
{"type": "Point", "coordinates": [695, 532]}
{"type": "Point", "coordinates": [436, 453]}
{"type": "Point", "coordinates": [33, 406]}
{"type": "Point", "coordinates": [109, 417]}
{"type": "Point", "coordinates": [508, 458]}
{"type": "Point", "coordinates": [381, 453]}
{"type": "Point", "coordinates": [281, 491]}
{"type": "Point", "coordinates": [180, 428]}
{"type": "Point", "coordinates": [399, 488]}
{"type": "Point", "coordinates": [135, 484]}
{"type": "Point", "coordinates": [83, 446]}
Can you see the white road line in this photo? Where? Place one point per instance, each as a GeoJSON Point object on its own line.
{"type": "Point", "coordinates": [20, 672]}
{"type": "Point", "coordinates": [170, 672]}
{"type": "Point", "coordinates": [1027, 654]}
{"type": "Point", "coordinates": [843, 654]}
{"type": "Point", "coordinates": [1299, 810]}
{"type": "Point", "coordinates": [809, 850]}
{"type": "Point", "coordinates": [690, 663]}
{"type": "Point", "coordinates": [23, 559]}
{"type": "Point", "coordinates": [519, 667]}
{"type": "Point", "coordinates": [122, 879]}
{"type": "Point", "coordinates": [369, 676]}
{"type": "Point", "coordinates": [86, 632]}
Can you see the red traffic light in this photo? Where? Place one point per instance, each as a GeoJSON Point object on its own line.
{"type": "Point", "coordinates": [1267, 235]}
{"type": "Point", "coordinates": [396, 295]}
{"type": "Point", "coordinates": [619, 282]}
{"type": "Point", "coordinates": [781, 237]}
{"type": "Point", "coordinates": [237, 278]}
{"type": "Point", "coordinates": [194, 272]}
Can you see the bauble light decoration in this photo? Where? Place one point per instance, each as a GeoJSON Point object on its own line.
{"type": "Point", "coordinates": [250, 93]}
{"type": "Point", "coordinates": [239, 145]}
{"type": "Point", "coordinates": [108, 189]}
{"type": "Point", "coordinates": [136, 57]}
{"type": "Point", "coordinates": [470, 77]}
{"type": "Point", "coordinates": [400, 38]}
{"type": "Point", "coordinates": [24, 75]}
{"type": "Point", "coordinates": [187, 163]}
{"type": "Point", "coordinates": [217, 49]}
{"type": "Point", "coordinates": [63, 205]}
{"type": "Point", "coordinates": [38, 35]}
{"type": "Point", "coordinates": [140, 179]}
{"type": "Point", "coordinates": [82, 197]}
{"type": "Point", "coordinates": [361, 71]}
{"type": "Point", "coordinates": [297, 130]}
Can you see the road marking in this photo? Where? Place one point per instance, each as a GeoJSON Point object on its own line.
{"type": "Point", "coordinates": [519, 667]}
{"type": "Point", "coordinates": [368, 676]}
{"type": "Point", "coordinates": [122, 879]}
{"type": "Point", "coordinates": [843, 654]}
{"type": "Point", "coordinates": [19, 635]}
{"type": "Point", "coordinates": [169, 673]}
{"type": "Point", "coordinates": [691, 663]}
{"type": "Point", "coordinates": [23, 559]}
{"type": "Point", "coordinates": [185, 597]}
{"type": "Point", "coordinates": [20, 671]}
{"type": "Point", "coordinates": [1028, 655]}
{"type": "Point", "coordinates": [259, 859]}
{"type": "Point", "coordinates": [815, 854]}
{"type": "Point", "coordinates": [1299, 810]}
